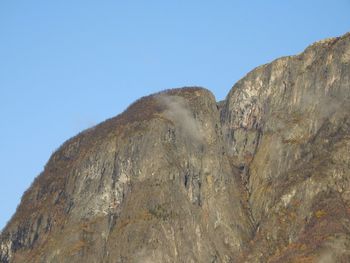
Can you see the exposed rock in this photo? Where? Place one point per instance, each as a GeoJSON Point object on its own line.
{"type": "Point", "coordinates": [263, 176]}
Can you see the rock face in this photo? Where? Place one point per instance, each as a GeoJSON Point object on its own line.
{"type": "Point", "coordinates": [262, 177]}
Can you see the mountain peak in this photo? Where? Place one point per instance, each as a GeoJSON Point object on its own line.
{"type": "Point", "coordinates": [178, 177]}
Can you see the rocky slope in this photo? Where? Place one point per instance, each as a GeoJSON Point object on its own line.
{"type": "Point", "coordinates": [262, 177]}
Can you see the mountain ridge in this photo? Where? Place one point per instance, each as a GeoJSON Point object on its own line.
{"type": "Point", "coordinates": [179, 177]}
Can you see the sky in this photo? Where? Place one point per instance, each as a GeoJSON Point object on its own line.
{"type": "Point", "coordinates": [68, 65]}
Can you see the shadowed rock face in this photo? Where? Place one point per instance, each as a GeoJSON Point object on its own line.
{"type": "Point", "coordinates": [262, 177]}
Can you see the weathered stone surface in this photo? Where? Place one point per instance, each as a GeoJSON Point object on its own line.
{"type": "Point", "coordinates": [262, 177]}
{"type": "Point", "coordinates": [287, 123]}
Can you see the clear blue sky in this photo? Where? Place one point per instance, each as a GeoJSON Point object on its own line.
{"type": "Point", "coordinates": [67, 65]}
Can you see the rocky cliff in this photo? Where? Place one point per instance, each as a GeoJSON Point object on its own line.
{"type": "Point", "coordinates": [263, 176]}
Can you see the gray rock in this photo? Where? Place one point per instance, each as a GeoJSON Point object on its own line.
{"type": "Point", "coordinates": [263, 176]}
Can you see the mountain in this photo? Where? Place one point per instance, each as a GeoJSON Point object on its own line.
{"type": "Point", "coordinates": [263, 176]}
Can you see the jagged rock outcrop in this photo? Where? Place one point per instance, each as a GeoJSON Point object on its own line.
{"type": "Point", "coordinates": [262, 177]}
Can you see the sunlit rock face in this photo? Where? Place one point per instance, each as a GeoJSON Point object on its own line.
{"type": "Point", "coordinates": [286, 124]}
{"type": "Point", "coordinates": [262, 177]}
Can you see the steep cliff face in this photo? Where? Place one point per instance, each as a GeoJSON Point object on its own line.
{"type": "Point", "coordinates": [286, 124]}
{"type": "Point", "coordinates": [262, 177]}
